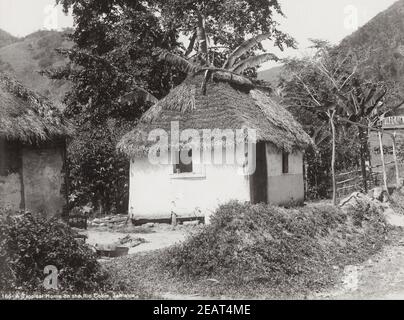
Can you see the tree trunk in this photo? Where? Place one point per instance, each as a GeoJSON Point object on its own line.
{"type": "Point", "coordinates": [202, 39]}
{"type": "Point", "coordinates": [382, 159]}
{"type": "Point", "coordinates": [306, 184]}
{"type": "Point", "coordinates": [393, 137]}
{"type": "Point", "coordinates": [334, 181]}
{"type": "Point", "coordinates": [363, 147]}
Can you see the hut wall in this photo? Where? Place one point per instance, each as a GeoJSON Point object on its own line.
{"type": "Point", "coordinates": [10, 177]}
{"type": "Point", "coordinates": [43, 179]}
{"type": "Point", "coordinates": [284, 188]}
{"type": "Point", "coordinates": [155, 192]}
{"type": "Point", "coordinates": [10, 192]}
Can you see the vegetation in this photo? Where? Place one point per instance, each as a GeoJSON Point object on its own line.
{"type": "Point", "coordinates": [29, 243]}
{"type": "Point", "coordinates": [379, 44]}
{"type": "Point", "coordinates": [331, 86]}
{"type": "Point", "coordinates": [23, 59]}
{"type": "Point", "coordinates": [117, 71]}
{"type": "Point", "coordinates": [6, 39]}
{"type": "Point", "coordinates": [261, 250]}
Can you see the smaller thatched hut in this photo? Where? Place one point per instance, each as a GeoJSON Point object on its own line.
{"type": "Point", "coordinates": [32, 150]}
{"type": "Point", "coordinates": [274, 166]}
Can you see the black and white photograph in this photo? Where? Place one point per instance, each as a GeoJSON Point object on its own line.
{"type": "Point", "coordinates": [228, 151]}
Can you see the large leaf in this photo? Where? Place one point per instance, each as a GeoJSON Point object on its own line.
{"type": "Point", "coordinates": [243, 48]}
{"type": "Point", "coordinates": [179, 62]}
{"type": "Point", "coordinates": [139, 94]}
{"type": "Point", "coordinates": [253, 62]}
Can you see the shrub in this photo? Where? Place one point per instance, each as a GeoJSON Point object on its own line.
{"type": "Point", "coordinates": [29, 243]}
{"type": "Point", "coordinates": [286, 248]}
{"type": "Point", "coordinates": [397, 201]}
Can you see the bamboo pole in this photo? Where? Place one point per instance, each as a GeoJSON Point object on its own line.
{"type": "Point", "coordinates": [382, 159]}
{"type": "Point", "coordinates": [334, 182]}
{"type": "Point", "coordinates": [393, 137]}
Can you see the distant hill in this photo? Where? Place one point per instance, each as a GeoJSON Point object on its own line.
{"type": "Point", "coordinates": [6, 38]}
{"type": "Point", "coordinates": [271, 75]}
{"type": "Point", "coordinates": [380, 45]}
{"type": "Point", "coordinates": [23, 59]}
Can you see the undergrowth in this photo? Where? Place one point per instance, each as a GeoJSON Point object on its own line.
{"type": "Point", "coordinates": [255, 250]}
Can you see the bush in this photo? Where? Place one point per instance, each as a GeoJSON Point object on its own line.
{"type": "Point", "coordinates": [397, 201]}
{"type": "Point", "coordinates": [286, 248]}
{"type": "Point", "coordinates": [29, 243]}
{"type": "Point", "coordinates": [97, 174]}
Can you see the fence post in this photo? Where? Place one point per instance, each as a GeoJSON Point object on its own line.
{"type": "Point", "coordinates": [382, 159]}
{"type": "Point", "coordinates": [393, 137]}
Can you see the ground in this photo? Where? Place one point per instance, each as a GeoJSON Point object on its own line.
{"type": "Point", "coordinates": [157, 237]}
{"type": "Point", "coordinates": [381, 277]}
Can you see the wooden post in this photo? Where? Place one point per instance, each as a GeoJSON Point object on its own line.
{"type": "Point", "coordinates": [173, 219]}
{"type": "Point", "coordinates": [306, 183]}
{"type": "Point", "coordinates": [382, 159]}
{"type": "Point", "coordinates": [393, 137]}
{"type": "Point", "coordinates": [334, 182]}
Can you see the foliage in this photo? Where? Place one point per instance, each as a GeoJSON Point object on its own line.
{"type": "Point", "coordinates": [99, 176]}
{"type": "Point", "coordinates": [36, 51]}
{"type": "Point", "coordinates": [331, 87]}
{"type": "Point", "coordinates": [112, 57]}
{"type": "Point", "coordinates": [29, 243]}
{"type": "Point", "coordinates": [115, 54]}
{"type": "Point", "coordinates": [284, 248]}
{"type": "Point", "coordinates": [6, 38]}
{"type": "Point", "coordinates": [379, 45]}
{"type": "Point", "coordinates": [397, 201]}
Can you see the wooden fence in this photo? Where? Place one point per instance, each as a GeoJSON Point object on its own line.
{"type": "Point", "coordinates": [348, 182]}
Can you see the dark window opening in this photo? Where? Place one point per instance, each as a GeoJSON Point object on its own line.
{"type": "Point", "coordinates": [285, 162]}
{"type": "Point", "coordinates": [182, 167]}
{"type": "Point", "coordinates": [9, 157]}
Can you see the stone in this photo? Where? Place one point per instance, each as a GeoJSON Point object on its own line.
{"type": "Point", "coordinates": [191, 223]}
{"type": "Point", "coordinates": [393, 219]}
{"type": "Point", "coordinates": [149, 225]}
{"type": "Point", "coordinates": [378, 193]}
{"type": "Point", "coordinates": [357, 199]}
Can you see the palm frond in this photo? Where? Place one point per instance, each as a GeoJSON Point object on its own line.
{"type": "Point", "coordinates": [243, 48]}
{"type": "Point", "coordinates": [179, 62]}
{"type": "Point", "coordinates": [225, 75]}
{"type": "Point", "coordinates": [139, 94]}
{"type": "Point", "coordinates": [253, 62]}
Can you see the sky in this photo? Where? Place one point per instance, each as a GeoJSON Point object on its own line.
{"type": "Point", "coordinates": [331, 20]}
{"type": "Point", "coordinates": [22, 17]}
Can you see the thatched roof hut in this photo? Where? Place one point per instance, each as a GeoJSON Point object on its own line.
{"type": "Point", "coordinates": [273, 172]}
{"type": "Point", "coordinates": [32, 151]}
{"type": "Point", "coordinates": [28, 117]}
{"type": "Point", "coordinates": [224, 105]}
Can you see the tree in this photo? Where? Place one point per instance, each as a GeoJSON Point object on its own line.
{"type": "Point", "coordinates": [114, 77]}
{"type": "Point", "coordinates": [330, 83]}
{"type": "Point", "coordinates": [216, 27]}
{"type": "Point", "coordinates": [117, 70]}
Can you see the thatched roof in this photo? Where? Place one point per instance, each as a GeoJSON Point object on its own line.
{"type": "Point", "coordinates": [28, 117]}
{"type": "Point", "coordinates": [223, 106]}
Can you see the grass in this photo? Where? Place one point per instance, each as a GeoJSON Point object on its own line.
{"type": "Point", "coordinates": [258, 251]}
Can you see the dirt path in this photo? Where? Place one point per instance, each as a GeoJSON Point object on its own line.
{"type": "Point", "coordinates": [381, 277]}
{"type": "Point", "coordinates": [153, 241]}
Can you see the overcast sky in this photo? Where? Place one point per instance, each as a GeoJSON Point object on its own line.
{"type": "Point", "coordinates": [320, 19]}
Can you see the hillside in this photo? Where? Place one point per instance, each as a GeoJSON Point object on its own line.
{"type": "Point", "coordinates": [6, 38]}
{"type": "Point", "coordinates": [380, 45]}
{"type": "Point", "coordinates": [25, 58]}
{"type": "Point", "coordinates": [270, 75]}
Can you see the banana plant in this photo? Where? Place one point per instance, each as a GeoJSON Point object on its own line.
{"type": "Point", "coordinates": [232, 69]}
